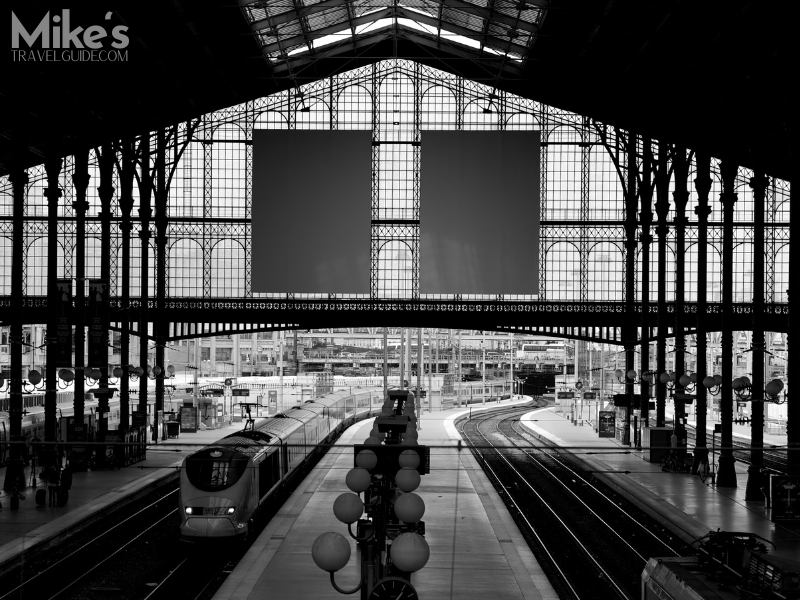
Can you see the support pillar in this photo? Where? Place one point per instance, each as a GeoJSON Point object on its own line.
{"type": "Point", "coordinates": [662, 229]}
{"type": "Point", "coordinates": [727, 472]}
{"type": "Point", "coordinates": [126, 175]}
{"type": "Point", "coordinates": [759, 184]}
{"type": "Point", "coordinates": [105, 192]}
{"type": "Point", "coordinates": [646, 218]}
{"type": "Point", "coordinates": [145, 191]}
{"type": "Point", "coordinates": [702, 185]}
{"type": "Point", "coordinates": [160, 198]}
{"type": "Point", "coordinates": [681, 197]}
{"type": "Point", "coordinates": [629, 329]}
{"type": "Point", "coordinates": [53, 193]}
{"type": "Point", "coordinates": [793, 359]}
{"type": "Point", "coordinates": [15, 470]}
{"type": "Point", "coordinates": [80, 182]}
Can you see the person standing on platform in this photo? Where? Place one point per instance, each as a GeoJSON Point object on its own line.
{"type": "Point", "coordinates": [53, 481]}
{"type": "Point", "coordinates": [66, 478]}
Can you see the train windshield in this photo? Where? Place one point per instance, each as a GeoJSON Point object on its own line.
{"type": "Point", "coordinates": [215, 469]}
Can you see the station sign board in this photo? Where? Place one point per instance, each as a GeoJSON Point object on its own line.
{"type": "Point", "coordinates": [606, 423]}
{"type": "Point", "coordinates": [240, 392]}
{"type": "Point", "coordinates": [565, 395]}
{"type": "Point", "coordinates": [63, 323]}
{"type": "Point", "coordinates": [627, 399]}
{"type": "Point", "coordinates": [188, 419]}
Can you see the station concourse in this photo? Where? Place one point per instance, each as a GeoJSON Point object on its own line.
{"type": "Point", "coordinates": [292, 208]}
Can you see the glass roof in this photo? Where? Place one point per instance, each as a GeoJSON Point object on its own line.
{"type": "Point", "coordinates": [288, 29]}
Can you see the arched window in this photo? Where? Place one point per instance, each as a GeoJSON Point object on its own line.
{"type": "Point", "coordinates": [136, 268]}
{"type": "Point", "coordinates": [394, 270]}
{"type": "Point", "coordinates": [782, 274]}
{"type": "Point", "coordinates": [227, 269]}
{"type": "Point", "coordinates": [186, 269]}
{"type": "Point", "coordinates": [228, 155]}
{"type": "Point", "coordinates": [35, 267]}
{"type": "Point", "coordinates": [713, 274]}
{"type": "Point", "coordinates": [743, 272]}
{"type": "Point", "coordinates": [606, 268]}
{"type": "Point", "coordinates": [354, 106]}
{"type": "Point", "coordinates": [606, 200]}
{"type": "Point", "coordinates": [5, 266]}
{"type": "Point", "coordinates": [93, 257]}
{"type": "Point", "coordinates": [563, 269]}
{"type": "Point", "coordinates": [438, 109]}
{"type": "Point", "coordinates": [653, 273]}
{"type": "Point", "coordinates": [563, 174]}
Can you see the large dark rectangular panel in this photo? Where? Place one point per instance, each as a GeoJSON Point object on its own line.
{"type": "Point", "coordinates": [311, 211]}
{"type": "Point", "coordinates": [479, 212]}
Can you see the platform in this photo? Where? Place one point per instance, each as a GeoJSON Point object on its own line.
{"type": "Point", "coordinates": [692, 507]}
{"type": "Point", "coordinates": [477, 551]}
{"type": "Point", "coordinates": [93, 491]}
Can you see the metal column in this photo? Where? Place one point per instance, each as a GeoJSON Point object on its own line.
{"type": "Point", "coordinates": [145, 190]}
{"type": "Point", "coordinates": [126, 175]}
{"type": "Point", "coordinates": [681, 197]}
{"type": "Point", "coordinates": [727, 471]}
{"type": "Point", "coordinates": [53, 193]}
{"type": "Point", "coordinates": [753, 491]}
{"type": "Point", "coordinates": [703, 186]}
{"type": "Point", "coordinates": [662, 229]}
{"type": "Point", "coordinates": [15, 471]}
{"type": "Point", "coordinates": [80, 181]}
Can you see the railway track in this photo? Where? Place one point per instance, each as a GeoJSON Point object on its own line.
{"type": "Point", "coordinates": [774, 459]}
{"type": "Point", "coordinates": [591, 542]}
{"type": "Point", "coordinates": [134, 553]}
{"type": "Point", "coordinates": [84, 564]}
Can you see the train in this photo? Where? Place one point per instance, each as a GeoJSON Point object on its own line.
{"type": "Point", "coordinates": [33, 419]}
{"type": "Point", "coordinates": [224, 487]}
{"type": "Point", "coordinates": [727, 566]}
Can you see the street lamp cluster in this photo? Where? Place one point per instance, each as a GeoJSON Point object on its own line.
{"type": "Point", "coordinates": [35, 382]}
{"type": "Point", "coordinates": [390, 538]}
{"type": "Point", "coordinates": [742, 386]}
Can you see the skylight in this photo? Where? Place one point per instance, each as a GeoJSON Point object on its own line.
{"type": "Point", "coordinates": [302, 27]}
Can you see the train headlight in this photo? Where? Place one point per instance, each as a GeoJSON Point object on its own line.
{"type": "Point", "coordinates": [188, 510]}
{"type": "Point", "coordinates": [231, 510]}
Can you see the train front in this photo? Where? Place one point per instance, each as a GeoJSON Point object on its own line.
{"type": "Point", "coordinates": [214, 494]}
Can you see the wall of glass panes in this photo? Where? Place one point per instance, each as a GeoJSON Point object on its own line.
{"type": "Point", "coordinates": [582, 249]}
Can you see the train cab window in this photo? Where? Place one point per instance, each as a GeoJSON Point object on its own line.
{"type": "Point", "coordinates": [215, 469]}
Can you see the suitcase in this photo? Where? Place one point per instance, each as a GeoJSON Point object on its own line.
{"type": "Point", "coordinates": [41, 497]}
{"type": "Point", "coordinates": [62, 496]}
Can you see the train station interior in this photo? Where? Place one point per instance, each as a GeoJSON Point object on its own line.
{"type": "Point", "coordinates": [406, 300]}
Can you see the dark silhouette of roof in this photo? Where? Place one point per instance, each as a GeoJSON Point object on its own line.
{"type": "Point", "coordinates": [714, 75]}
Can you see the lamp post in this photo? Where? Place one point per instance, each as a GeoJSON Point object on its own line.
{"type": "Point", "coordinates": [153, 373]}
{"type": "Point", "coordinates": [391, 537]}
{"type": "Point", "coordinates": [631, 378]}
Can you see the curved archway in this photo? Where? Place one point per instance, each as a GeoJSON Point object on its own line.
{"type": "Point", "coordinates": [354, 108]}
{"type": "Point", "coordinates": [523, 121]}
{"type": "Point", "coordinates": [395, 262]}
{"type": "Point", "coordinates": [563, 174]}
{"type": "Point", "coordinates": [782, 274]}
{"type": "Point", "coordinates": [438, 108]}
{"type": "Point", "coordinates": [185, 269]}
{"type": "Point", "coordinates": [271, 119]}
{"type": "Point", "coordinates": [713, 273]}
{"type": "Point", "coordinates": [606, 263]}
{"type": "Point", "coordinates": [6, 247]}
{"type": "Point", "coordinates": [136, 267]}
{"type": "Point", "coordinates": [227, 269]}
{"type": "Point", "coordinates": [479, 114]}
{"type": "Point", "coordinates": [563, 269]}
{"type": "Point", "coordinates": [606, 198]}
